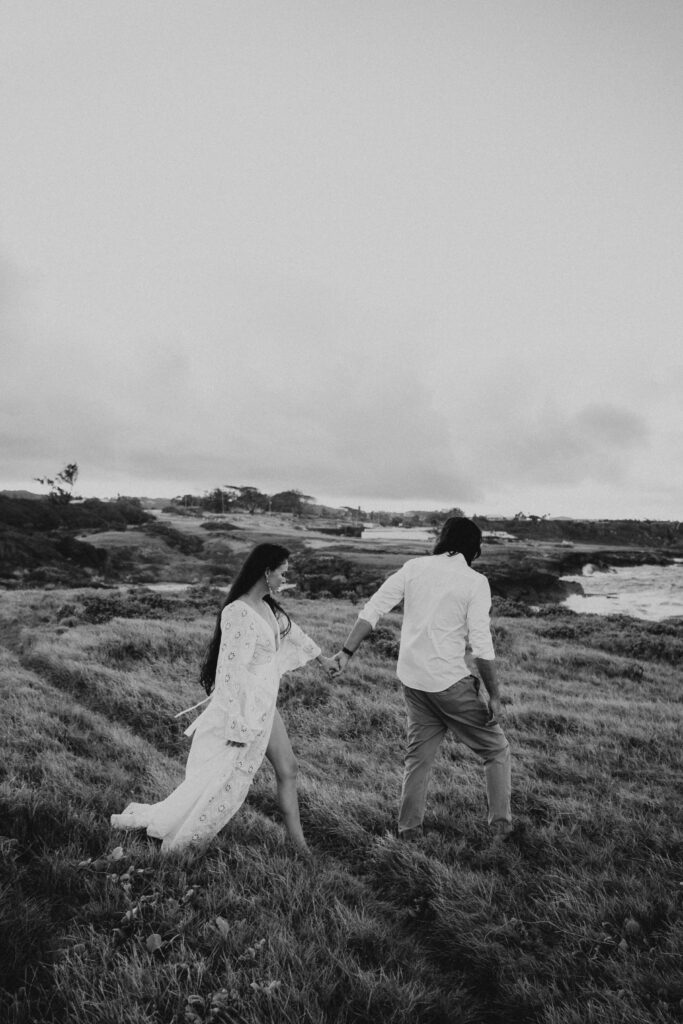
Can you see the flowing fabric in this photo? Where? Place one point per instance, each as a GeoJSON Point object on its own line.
{"type": "Point", "coordinates": [251, 661]}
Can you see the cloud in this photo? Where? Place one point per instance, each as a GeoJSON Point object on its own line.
{"type": "Point", "coordinates": [290, 384]}
{"type": "Point", "coordinates": [596, 443]}
{"type": "Point", "coordinates": [378, 433]}
{"type": "Point", "coordinates": [300, 387]}
{"type": "Point", "coordinates": [369, 429]}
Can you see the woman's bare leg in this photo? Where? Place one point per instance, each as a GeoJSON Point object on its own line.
{"type": "Point", "coordinates": [280, 754]}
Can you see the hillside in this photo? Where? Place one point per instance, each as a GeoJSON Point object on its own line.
{"type": "Point", "coordinates": [39, 544]}
{"type": "Point", "coordinates": [29, 495]}
{"type": "Point", "coordinates": [577, 921]}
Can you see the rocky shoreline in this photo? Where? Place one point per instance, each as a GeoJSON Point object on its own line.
{"type": "Point", "coordinates": [536, 577]}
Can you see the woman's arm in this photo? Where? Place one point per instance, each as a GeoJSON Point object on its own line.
{"type": "Point", "coordinates": [238, 640]}
{"type": "Point", "coordinates": [296, 650]}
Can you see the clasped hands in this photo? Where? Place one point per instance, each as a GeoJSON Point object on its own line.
{"type": "Point", "coordinates": [335, 665]}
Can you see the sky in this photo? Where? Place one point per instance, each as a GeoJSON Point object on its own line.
{"type": "Point", "coordinates": [391, 254]}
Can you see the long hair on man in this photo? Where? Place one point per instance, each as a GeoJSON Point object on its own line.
{"type": "Point", "coordinates": [459, 536]}
{"type": "Point", "coordinates": [261, 559]}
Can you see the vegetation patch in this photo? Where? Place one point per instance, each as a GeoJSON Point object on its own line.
{"type": "Point", "coordinates": [219, 526]}
{"type": "Point", "coordinates": [185, 543]}
{"type": "Point", "coordinates": [619, 634]}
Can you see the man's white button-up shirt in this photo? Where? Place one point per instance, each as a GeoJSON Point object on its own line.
{"type": "Point", "coordinates": [446, 605]}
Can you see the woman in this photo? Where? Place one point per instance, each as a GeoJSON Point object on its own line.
{"type": "Point", "coordinates": [253, 644]}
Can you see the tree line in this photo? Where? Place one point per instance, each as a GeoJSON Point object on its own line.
{"type": "Point", "coordinates": [233, 498]}
{"type": "Point", "coordinates": [239, 498]}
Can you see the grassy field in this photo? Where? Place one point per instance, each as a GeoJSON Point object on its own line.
{"type": "Point", "coordinates": [577, 921]}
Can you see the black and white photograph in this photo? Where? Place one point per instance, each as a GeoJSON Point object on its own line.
{"type": "Point", "coordinates": [341, 501]}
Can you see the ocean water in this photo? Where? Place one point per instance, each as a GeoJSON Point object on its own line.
{"type": "Point", "coordinates": [652, 592]}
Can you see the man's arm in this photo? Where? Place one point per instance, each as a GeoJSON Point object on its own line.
{"type": "Point", "coordinates": [382, 601]}
{"type": "Point", "coordinates": [479, 636]}
{"type": "Point", "coordinates": [360, 630]}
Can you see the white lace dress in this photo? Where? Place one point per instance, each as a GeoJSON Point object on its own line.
{"type": "Point", "coordinates": [251, 661]}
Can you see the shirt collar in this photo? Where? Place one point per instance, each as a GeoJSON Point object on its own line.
{"type": "Point", "coordinates": [458, 557]}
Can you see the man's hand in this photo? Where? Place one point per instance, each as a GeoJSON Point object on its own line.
{"type": "Point", "coordinates": [487, 671]}
{"type": "Point", "coordinates": [340, 660]}
{"type": "Point", "coordinates": [495, 708]}
{"type": "Point", "coordinates": [329, 665]}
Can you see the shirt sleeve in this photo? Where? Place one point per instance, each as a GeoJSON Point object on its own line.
{"type": "Point", "coordinates": [296, 649]}
{"type": "Point", "coordinates": [238, 640]}
{"type": "Point", "coordinates": [383, 600]}
{"type": "Point", "coordinates": [478, 621]}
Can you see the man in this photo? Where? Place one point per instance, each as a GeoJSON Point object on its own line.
{"type": "Point", "coordinates": [446, 605]}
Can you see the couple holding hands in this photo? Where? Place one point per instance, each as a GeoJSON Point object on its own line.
{"type": "Point", "coordinates": [446, 606]}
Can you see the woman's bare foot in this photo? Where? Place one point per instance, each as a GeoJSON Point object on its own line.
{"type": "Point", "coordinates": [301, 847]}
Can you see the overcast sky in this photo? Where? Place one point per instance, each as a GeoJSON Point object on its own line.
{"type": "Point", "coordinates": [390, 253]}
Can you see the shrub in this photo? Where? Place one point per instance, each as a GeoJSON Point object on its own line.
{"type": "Point", "coordinates": [98, 608]}
{"type": "Point", "coordinates": [219, 527]}
{"type": "Point", "coordinates": [619, 634]}
{"type": "Point", "coordinates": [187, 544]}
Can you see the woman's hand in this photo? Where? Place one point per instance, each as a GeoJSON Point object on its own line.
{"type": "Point", "coordinates": [328, 664]}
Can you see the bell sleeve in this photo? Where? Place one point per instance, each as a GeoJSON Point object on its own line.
{"type": "Point", "coordinates": [296, 649]}
{"type": "Point", "coordinates": [231, 690]}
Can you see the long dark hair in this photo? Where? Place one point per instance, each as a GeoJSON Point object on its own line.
{"type": "Point", "coordinates": [459, 536]}
{"type": "Point", "coordinates": [262, 558]}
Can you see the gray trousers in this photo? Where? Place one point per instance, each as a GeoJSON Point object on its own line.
{"type": "Point", "coordinates": [463, 710]}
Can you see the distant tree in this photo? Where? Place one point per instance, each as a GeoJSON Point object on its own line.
{"type": "Point", "coordinates": [187, 500]}
{"type": "Point", "coordinates": [437, 519]}
{"type": "Point", "coordinates": [61, 486]}
{"type": "Point", "coordinates": [290, 501]}
{"type": "Point", "coordinates": [227, 497]}
{"type": "Point", "coordinates": [216, 500]}
{"type": "Point", "coordinates": [249, 498]}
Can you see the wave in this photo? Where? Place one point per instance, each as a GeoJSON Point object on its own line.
{"type": "Point", "coordinates": [649, 592]}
